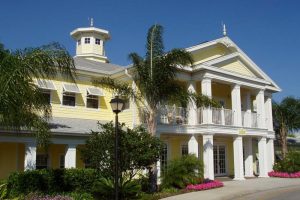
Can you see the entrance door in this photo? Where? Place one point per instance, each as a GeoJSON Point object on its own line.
{"type": "Point", "coordinates": [220, 160]}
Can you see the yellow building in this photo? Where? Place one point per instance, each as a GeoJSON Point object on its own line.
{"type": "Point", "coordinates": [231, 140]}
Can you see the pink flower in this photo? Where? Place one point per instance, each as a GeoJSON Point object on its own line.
{"type": "Point", "coordinates": [205, 186]}
{"type": "Point", "coordinates": [284, 174]}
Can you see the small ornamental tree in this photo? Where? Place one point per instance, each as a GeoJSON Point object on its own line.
{"type": "Point", "coordinates": [138, 150]}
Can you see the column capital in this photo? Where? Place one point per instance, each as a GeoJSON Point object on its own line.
{"type": "Point", "coordinates": [236, 86]}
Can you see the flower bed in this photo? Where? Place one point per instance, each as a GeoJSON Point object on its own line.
{"type": "Point", "coordinates": [284, 174]}
{"type": "Point", "coordinates": [205, 186]}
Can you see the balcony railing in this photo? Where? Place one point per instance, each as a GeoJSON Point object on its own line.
{"type": "Point", "coordinates": [174, 115]}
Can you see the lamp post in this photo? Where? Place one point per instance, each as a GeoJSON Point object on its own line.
{"type": "Point", "coordinates": [116, 106]}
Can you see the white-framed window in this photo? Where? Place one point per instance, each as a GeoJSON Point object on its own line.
{"type": "Point", "coordinates": [41, 161]}
{"type": "Point", "coordinates": [47, 95]}
{"type": "Point", "coordinates": [79, 42]}
{"type": "Point", "coordinates": [62, 161]}
{"type": "Point", "coordinates": [69, 99]}
{"type": "Point", "coordinates": [87, 40]}
{"type": "Point", "coordinates": [92, 101]}
{"type": "Point", "coordinates": [97, 41]}
{"type": "Point", "coordinates": [126, 105]}
{"type": "Point", "coordinates": [184, 149]}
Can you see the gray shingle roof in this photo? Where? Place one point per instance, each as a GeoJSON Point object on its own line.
{"type": "Point", "coordinates": [96, 67]}
{"type": "Point", "coordinates": [73, 125]}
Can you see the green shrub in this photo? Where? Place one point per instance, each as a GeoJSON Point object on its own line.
{"type": "Point", "coordinates": [128, 190]}
{"type": "Point", "coordinates": [290, 164]}
{"type": "Point", "coordinates": [3, 189]}
{"type": "Point", "coordinates": [52, 181]}
{"type": "Point", "coordinates": [183, 171]}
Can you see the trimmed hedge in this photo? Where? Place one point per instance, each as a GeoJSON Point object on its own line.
{"type": "Point", "coordinates": [52, 181]}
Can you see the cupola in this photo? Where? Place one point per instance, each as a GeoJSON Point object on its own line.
{"type": "Point", "coordinates": [90, 42]}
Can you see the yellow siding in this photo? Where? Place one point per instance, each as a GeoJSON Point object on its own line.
{"type": "Point", "coordinates": [209, 54]}
{"type": "Point", "coordinates": [238, 67]}
{"type": "Point", "coordinates": [11, 158]}
{"type": "Point", "coordinates": [55, 151]}
{"type": "Point", "coordinates": [222, 92]}
{"type": "Point", "coordinates": [103, 113]}
{"type": "Point", "coordinates": [79, 161]}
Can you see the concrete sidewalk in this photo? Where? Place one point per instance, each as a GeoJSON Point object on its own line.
{"type": "Point", "coordinates": [236, 189]}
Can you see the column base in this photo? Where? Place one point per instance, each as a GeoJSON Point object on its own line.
{"type": "Point", "coordinates": [239, 179]}
{"type": "Point", "coordinates": [250, 176]}
{"type": "Point", "coordinates": [263, 176]}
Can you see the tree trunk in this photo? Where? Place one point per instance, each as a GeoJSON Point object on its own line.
{"type": "Point", "coordinates": [283, 135]}
{"type": "Point", "coordinates": [152, 124]}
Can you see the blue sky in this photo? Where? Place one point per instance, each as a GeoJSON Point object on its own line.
{"type": "Point", "coordinates": [267, 30]}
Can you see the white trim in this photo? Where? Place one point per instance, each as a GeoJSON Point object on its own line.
{"type": "Point", "coordinates": [226, 41]}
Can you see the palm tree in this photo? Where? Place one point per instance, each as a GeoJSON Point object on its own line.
{"type": "Point", "coordinates": [22, 104]}
{"type": "Point", "coordinates": [155, 79]}
{"type": "Point", "coordinates": [286, 119]}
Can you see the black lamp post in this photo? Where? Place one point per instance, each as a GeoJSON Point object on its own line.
{"type": "Point", "coordinates": [116, 106]}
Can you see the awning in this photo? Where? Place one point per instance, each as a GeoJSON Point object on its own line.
{"type": "Point", "coordinates": [95, 92]}
{"type": "Point", "coordinates": [68, 87]}
{"type": "Point", "coordinates": [45, 84]}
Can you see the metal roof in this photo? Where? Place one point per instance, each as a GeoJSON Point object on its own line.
{"type": "Point", "coordinates": [73, 125]}
{"type": "Point", "coordinates": [96, 67]}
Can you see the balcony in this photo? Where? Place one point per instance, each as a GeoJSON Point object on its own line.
{"type": "Point", "coordinates": [173, 115]}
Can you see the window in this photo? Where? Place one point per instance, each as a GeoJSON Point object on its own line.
{"type": "Point", "coordinates": [184, 149]}
{"type": "Point", "coordinates": [41, 161]}
{"type": "Point", "coordinates": [97, 41]}
{"type": "Point", "coordinates": [92, 101]}
{"type": "Point", "coordinates": [87, 40]}
{"type": "Point", "coordinates": [47, 95]}
{"type": "Point", "coordinates": [164, 158]}
{"type": "Point", "coordinates": [62, 161]}
{"type": "Point", "coordinates": [87, 163]}
{"type": "Point", "coordinates": [79, 42]}
{"type": "Point", "coordinates": [69, 99]}
{"type": "Point", "coordinates": [126, 104]}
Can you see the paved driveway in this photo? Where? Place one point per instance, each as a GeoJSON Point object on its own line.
{"type": "Point", "coordinates": [258, 188]}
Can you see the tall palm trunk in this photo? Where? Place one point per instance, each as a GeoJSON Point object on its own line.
{"type": "Point", "coordinates": [152, 125]}
{"type": "Point", "coordinates": [283, 135]}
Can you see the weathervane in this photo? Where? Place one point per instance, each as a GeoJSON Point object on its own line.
{"type": "Point", "coordinates": [224, 29]}
{"type": "Point", "coordinates": [91, 21]}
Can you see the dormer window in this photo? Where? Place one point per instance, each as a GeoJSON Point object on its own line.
{"type": "Point", "coordinates": [87, 40]}
{"type": "Point", "coordinates": [97, 41]}
{"type": "Point", "coordinates": [79, 42]}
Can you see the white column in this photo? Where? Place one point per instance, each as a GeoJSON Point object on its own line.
{"type": "Point", "coordinates": [262, 154]}
{"type": "Point", "coordinates": [193, 146]}
{"type": "Point", "coordinates": [236, 105]}
{"type": "Point", "coordinates": [70, 156]}
{"type": "Point", "coordinates": [268, 110]}
{"type": "Point", "coordinates": [248, 157]}
{"type": "Point", "coordinates": [30, 156]}
{"type": "Point", "coordinates": [260, 101]}
{"type": "Point", "coordinates": [238, 158]}
{"type": "Point", "coordinates": [270, 154]}
{"type": "Point", "coordinates": [208, 156]}
{"type": "Point", "coordinates": [248, 110]}
{"type": "Point", "coordinates": [158, 172]}
{"type": "Point", "coordinates": [192, 107]}
{"type": "Point", "coordinates": [206, 90]}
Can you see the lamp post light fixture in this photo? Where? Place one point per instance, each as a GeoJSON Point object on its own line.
{"type": "Point", "coordinates": [116, 106]}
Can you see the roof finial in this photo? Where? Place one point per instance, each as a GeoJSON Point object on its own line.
{"type": "Point", "coordinates": [224, 29]}
{"type": "Point", "coordinates": [92, 22]}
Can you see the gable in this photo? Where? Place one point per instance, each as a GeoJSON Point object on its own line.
{"type": "Point", "coordinates": [237, 66]}
{"type": "Point", "coordinates": [210, 53]}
